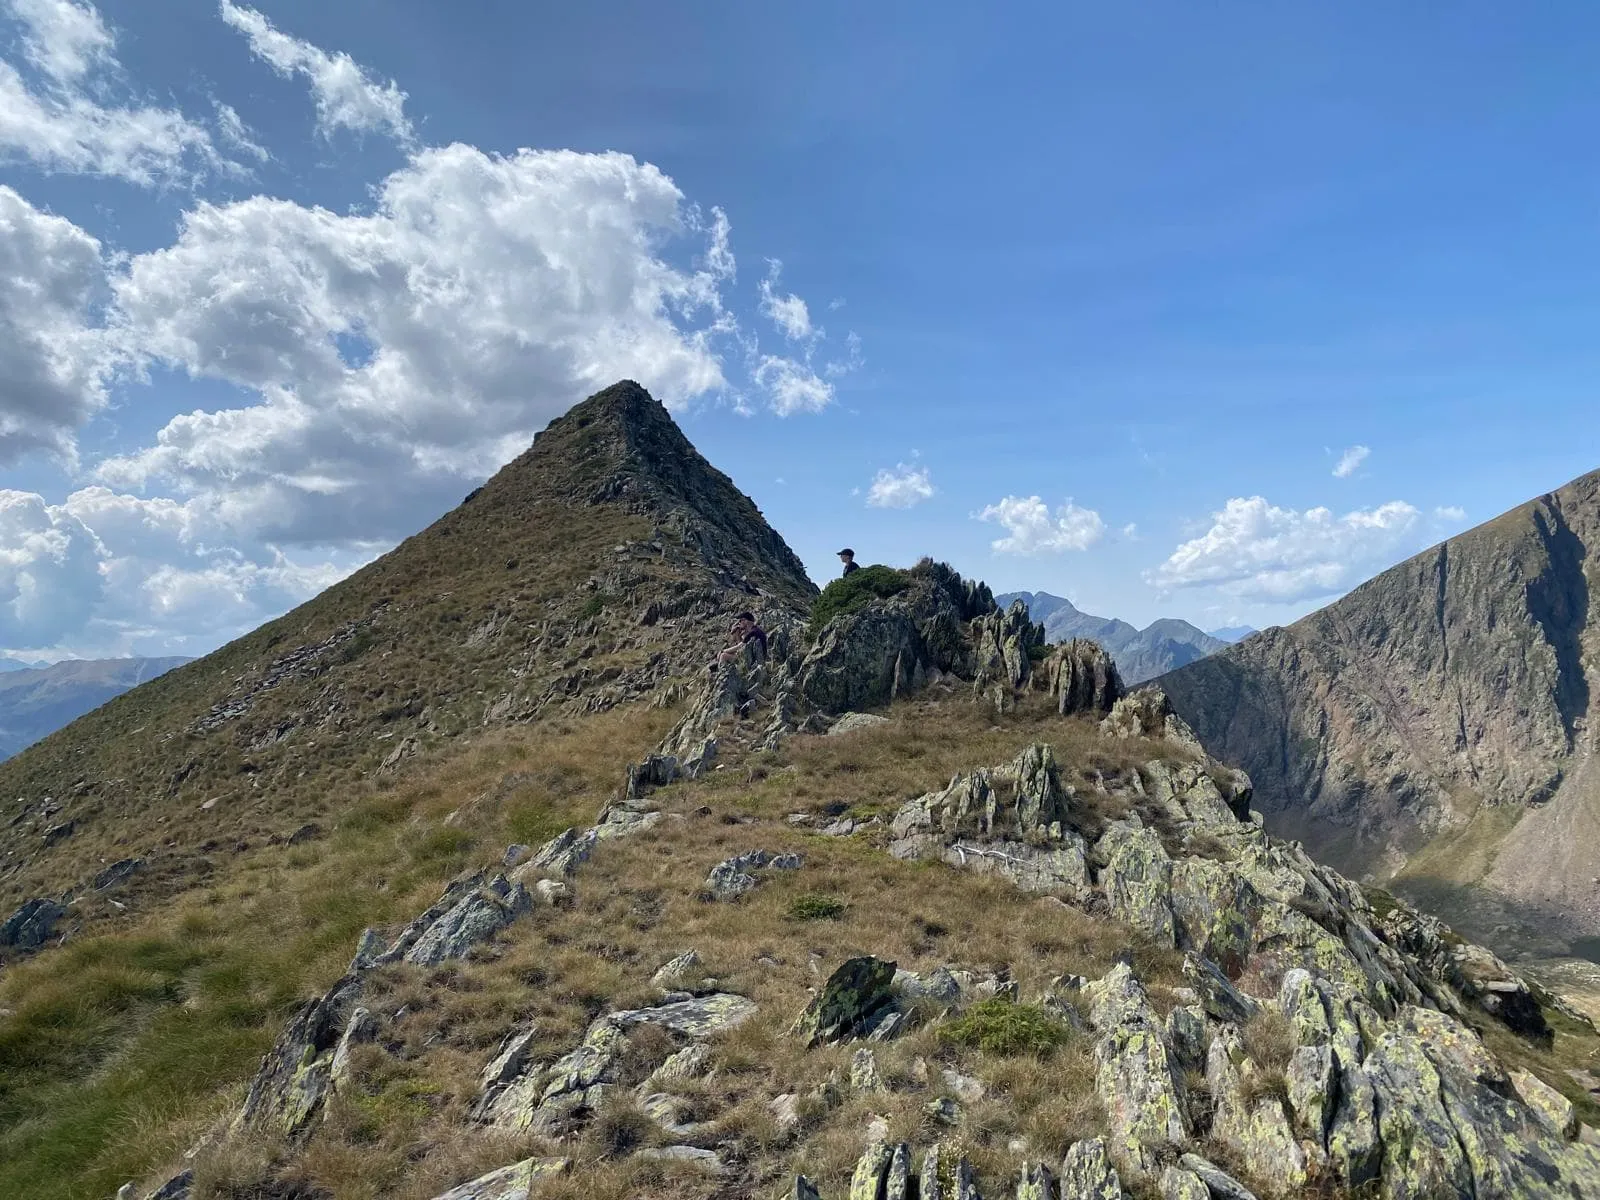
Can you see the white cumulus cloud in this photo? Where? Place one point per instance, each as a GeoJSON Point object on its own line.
{"type": "Point", "coordinates": [346, 96]}
{"type": "Point", "coordinates": [1350, 460]}
{"type": "Point", "coordinates": [903, 487]}
{"type": "Point", "coordinates": [382, 360]}
{"type": "Point", "coordinates": [1257, 550]}
{"type": "Point", "coordinates": [395, 354]}
{"type": "Point", "coordinates": [113, 573]}
{"type": "Point", "coordinates": [1031, 528]}
{"type": "Point", "coordinates": [52, 355]}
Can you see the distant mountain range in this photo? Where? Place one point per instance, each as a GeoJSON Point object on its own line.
{"type": "Point", "coordinates": [1140, 654]}
{"type": "Point", "coordinates": [37, 701]}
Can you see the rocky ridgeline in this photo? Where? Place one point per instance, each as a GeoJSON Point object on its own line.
{"type": "Point", "coordinates": [1373, 1083]}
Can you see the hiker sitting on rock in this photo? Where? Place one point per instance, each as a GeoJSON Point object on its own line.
{"type": "Point", "coordinates": [848, 557]}
{"type": "Point", "coordinates": [745, 632]}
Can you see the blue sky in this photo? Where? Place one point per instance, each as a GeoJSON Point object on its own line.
{"type": "Point", "coordinates": [1176, 314]}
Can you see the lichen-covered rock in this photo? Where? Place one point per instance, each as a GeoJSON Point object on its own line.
{"type": "Point", "coordinates": [853, 722]}
{"type": "Point", "coordinates": [1186, 1036]}
{"type": "Point", "coordinates": [864, 1075]}
{"type": "Point", "coordinates": [32, 925]}
{"type": "Point", "coordinates": [562, 854]}
{"type": "Point", "coordinates": [1087, 1173]}
{"type": "Point", "coordinates": [946, 1174]}
{"type": "Point", "coordinates": [1147, 712]}
{"type": "Point", "coordinates": [1249, 1121]}
{"type": "Point", "coordinates": [508, 1065]}
{"type": "Point", "coordinates": [866, 1182]}
{"type": "Point", "coordinates": [1219, 1183]}
{"type": "Point", "coordinates": [1215, 910]}
{"type": "Point", "coordinates": [1312, 1082]}
{"type": "Point", "coordinates": [474, 918]}
{"type": "Point", "coordinates": [1003, 642]}
{"type": "Point", "coordinates": [295, 1076]}
{"type": "Point", "coordinates": [1041, 800]}
{"type": "Point", "coordinates": [678, 973]}
{"type": "Point", "coordinates": [509, 1183]}
{"type": "Point", "coordinates": [361, 1028]}
{"type": "Point", "coordinates": [700, 1017]}
{"type": "Point", "coordinates": [1177, 1184]}
{"type": "Point", "coordinates": [1136, 1078]}
{"type": "Point", "coordinates": [1037, 1183]}
{"type": "Point", "coordinates": [1221, 1000]}
{"type": "Point", "coordinates": [855, 1000]}
{"type": "Point", "coordinates": [1558, 1113]}
{"type": "Point", "coordinates": [1137, 878]}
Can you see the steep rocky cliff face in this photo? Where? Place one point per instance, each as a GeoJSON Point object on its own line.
{"type": "Point", "coordinates": [1437, 721]}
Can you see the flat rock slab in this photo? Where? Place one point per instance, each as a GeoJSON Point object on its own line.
{"type": "Point", "coordinates": [509, 1183]}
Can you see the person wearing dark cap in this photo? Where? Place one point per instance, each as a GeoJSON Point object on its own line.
{"type": "Point", "coordinates": [848, 557]}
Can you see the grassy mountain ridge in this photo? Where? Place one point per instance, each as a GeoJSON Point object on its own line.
{"type": "Point", "coordinates": [1437, 721]}
{"type": "Point", "coordinates": [411, 903]}
{"type": "Point", "coordinates": [36, 701]}
{"type": "Point", "coordinates": [590, 571]}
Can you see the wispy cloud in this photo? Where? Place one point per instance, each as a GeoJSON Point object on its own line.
{"type": "Point", "coordinates": [1350, 460]}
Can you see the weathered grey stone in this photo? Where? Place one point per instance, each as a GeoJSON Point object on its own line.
{"type": "Point", "coordinates": [803, 1189]}
{"type": "Point", "coordinates": [368, 951]}
{"type": "Point", "coordinates": [116, 874]}
{"type": "Point", "coordinates": [1558, 1113]}
{"type": "Point", "coordinates": [676, 974]}
{"type": "Point", "coordinates": [509, 1183]}
{"type": "Point", "coordinates": [1216, 910]}
{"type": "Point", "coordinates": [1080, 676]}
{"type": "Point", "coordinates": [898, 1180]}
{"type": "Point", "coordinates": [509, 1063]}
{"type": "Point", "coordinates": [562, 854]}
{"type": "Point", "coordinates": [1137, 878]}
{"type": "Point", "coordinates": [179, 1187]}
{"type": "Point", "coordinates": [1148, 712]}
{"type": "Point", "coordinates": [1218, 997]}
{"type": "Point", "coordinates": [864, 1075]}
{"type": "Point", "coordinates": [707, 1160]}
{"type": "Point", "coordinates": [32, 925]}
{"type": "Point", "coordinates": [1178, 1184]}
{"type": "Point", "coordinates": [692, 1062]}
{"type": "Point", "coordinates": [1059, 867]}
{"type": "Point", "coordinates": [937, 987]}
{"type": "Point", "coordinates": [733, 877]}
{"type": "Point", "coordinates": [1252, 1124]}
{"type": "Point", "coordinates": [852, 722]}
{"type": "Point", "coordinates": [1219, 1183]}
{"type": "Point", "coordinates": [1087, 1173]}
{"type": "Point", "coordinates": [553, 893]}
{"type": "Point", "coordinates": [473, 919]}
{"type": "Point", "coordinates": [361, 1028]}
{"type": "Point", "coordinates": [964, 1088]}
{"type": "Point", "coordinates": [700, 1017]}
{"type": "Point", "coordinates": [855, 997]}
{"type": "Point", "coordinates": [295, 1076]}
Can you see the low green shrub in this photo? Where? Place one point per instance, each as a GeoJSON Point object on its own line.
{"type": "Point", "coordinates": [855, 591]}
{"type": "Point", "coordinates": [815, 907]}
{"type": "Point", "coordinates": [1008, 1029]}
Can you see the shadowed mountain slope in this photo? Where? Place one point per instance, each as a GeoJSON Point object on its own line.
{"type": "Point", "coordinates": [39, 700]}
{"type": "Point", "coordinates": [1437, 723]}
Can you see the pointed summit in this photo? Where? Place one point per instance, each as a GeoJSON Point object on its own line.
{"type": "Point", "coordinates": [599, 569]}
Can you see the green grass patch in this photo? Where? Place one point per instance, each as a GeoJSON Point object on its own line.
{"type": "Point", "coordinates": [815, 907]}
{"type": "Point", "coordinates": [1008, 1029]}
{"type": "Point", "coordinates": [854, 592]}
